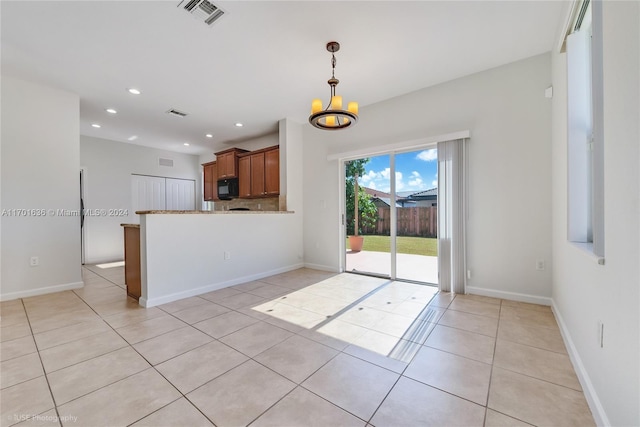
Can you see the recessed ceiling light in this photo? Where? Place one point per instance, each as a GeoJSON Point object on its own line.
{"type": "Point", "coordinates": [209, 135]}
{"type": "Point", "coordinates": [111, 111]}
{"type": "Point", "coordinates": [186, 144]}
{"type": "Point", "coordinates": [239, 125]}
{"type": "Point", "coordinates": [95, 125]}
{"type": "Point", "coordinates": [132, 137]}
{"type": "Point", "coordinates": [134, 91]}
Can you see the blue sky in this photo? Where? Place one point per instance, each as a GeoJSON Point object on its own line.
{"type": "Point", "coordinates": [415, 171]}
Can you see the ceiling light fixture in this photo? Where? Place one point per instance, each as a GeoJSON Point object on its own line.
{"type": "Point", "coordinates": [110, 111]}
{"type": "Point", "coordinates": [95, 125]}
{"type": "Point", "coordinates": [209, 135]}
{"type": "Point", "coordinates": [132, 138]}
{"type": "Point", "coordinates": [239, 125]}
{"type": "Point", "coordinates": [134, 91]}
{"type": "Point", "coordinates": [333, 117]}
{"type": "Point", "coordinates": [186, 144]}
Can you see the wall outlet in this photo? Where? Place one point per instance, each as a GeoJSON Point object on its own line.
{"type": "Point", "coordinates": [227, 255]}
{"type": "Point", "coordinates": [260, 206]}
{"type": "Point", "coordinates": [34, 261]}
{"type": "Point", "coordinates": [468, 274]}
{"type": "Point", "coordinates": [540, 264]}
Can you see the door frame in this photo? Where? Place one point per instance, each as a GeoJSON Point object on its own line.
{"type": "Point", "coordinates": [341, 157]}
{"type": "Point", "coordinates": [83, 223]}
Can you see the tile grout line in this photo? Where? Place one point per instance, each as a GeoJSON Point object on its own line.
{"type": "Point", "coordinates": [294, 333]}
{"type": "Point", "coordinates": [44, 372]}
{"type": "Point", "coordinates": [487, 408]}
{"type": "Point", "coordinates": [493, 360]}
{"type": "Point", "coordinates": [105, 278]}
{"type": "Point", "coordinates": [115, 382]}
{"type": "Point", "coordinates": [131, 346]}
{"type": "Point", "coordinates": [338, 352]}
{"type": "Point", "coordinates": [400, 375]}
{"type": "Point", "coordinates": [437, 388]}
{"type": "Point", "coordinates": [151, 366]}
{"type": "Point", "coordinates": [249, 358]}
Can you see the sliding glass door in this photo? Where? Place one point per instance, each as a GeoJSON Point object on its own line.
{"type": "Point", "coordinates": [416, 216]}
{"type": "Point", "coordinates": [368, 233]}
{"type": "Point", "coordinates": [397, 218]}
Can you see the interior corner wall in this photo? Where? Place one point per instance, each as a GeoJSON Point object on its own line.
{"type": "Point", "coordinates": [291, 170]}
{"type": "Point", "coordinates": [585, 293]}
{"type": "Point", "coordinates": [509, 118]}
{"type": "Point", "coordinates": [108, 166]}
{"type": "Point", "coordinates": [40, 175]}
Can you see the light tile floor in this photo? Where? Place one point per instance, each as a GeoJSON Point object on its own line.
{"type": "Point", "coordinates": [303, 348]}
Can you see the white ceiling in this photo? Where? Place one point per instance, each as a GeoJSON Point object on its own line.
{"type": "Point", "coordinates": [259, 63]}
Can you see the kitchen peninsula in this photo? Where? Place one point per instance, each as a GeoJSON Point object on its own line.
{"type": "Point", "coordinates": [188, 253]}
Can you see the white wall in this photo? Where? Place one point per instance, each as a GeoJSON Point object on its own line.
{"type": "Point", "coordinates": [509, 171]}
{"type": "Point", "coordinates": [108, 167]}
{"type": "Point", "coordinates": [183, 255]}
{"type": "Point", "coordinates": [291, 167]}
{"type": "Point", "coordinates": [40, 170]}
{"type": "Point", "coordinates": [583, 291]}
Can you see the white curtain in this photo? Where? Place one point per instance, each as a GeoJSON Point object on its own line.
{"type": "Point", "coordinates": [451, 216]}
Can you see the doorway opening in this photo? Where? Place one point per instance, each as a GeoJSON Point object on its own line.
{"type": "Point", "coordinates": [396, 220]}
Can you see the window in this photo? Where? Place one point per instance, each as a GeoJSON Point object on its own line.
{"type": "Point", "coordinates": [585, 148]}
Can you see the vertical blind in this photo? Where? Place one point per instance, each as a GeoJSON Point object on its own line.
{"type": "Point", "coordinates": [451, 216]}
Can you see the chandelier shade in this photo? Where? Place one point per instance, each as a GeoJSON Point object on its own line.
{"type": "Point", "coordinates": [334, 117]}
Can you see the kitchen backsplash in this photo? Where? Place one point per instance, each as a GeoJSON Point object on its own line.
{"type": "Point", "coordinates": [262, 204]}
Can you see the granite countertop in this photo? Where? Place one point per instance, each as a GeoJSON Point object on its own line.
{"type": "Point", "coordinates": [212, 212]}
{"type": "Point", "coordinates": [130, 225]}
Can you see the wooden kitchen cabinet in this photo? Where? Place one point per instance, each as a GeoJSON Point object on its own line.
{"type": "Point", "coordinates": [132, 260]}
{"type": "Point", "coordinates": [259, 174]}
{"type": "Point", "coordinates": [244, 177]}
{"type": "Point", "coordinates": [272, 172]}
{"type": "Point", "coordinates": [209, 178]}
{"type": "Point", "coordinates": [227, 162]}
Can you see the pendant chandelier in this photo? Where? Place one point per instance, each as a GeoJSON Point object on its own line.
{"type": "Point", "coordinates": [333, 117]}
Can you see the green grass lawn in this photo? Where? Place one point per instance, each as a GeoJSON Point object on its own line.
{"type": "Point", "coordinates": [405, 245]}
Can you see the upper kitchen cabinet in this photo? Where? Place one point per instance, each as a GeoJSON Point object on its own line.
{"type": "Point", "coordinates": [260, 173]}
{"type": "Point", "coordinates": [227, 161]}
{"type": "Point", "coordinates": [244, 176]}
{"type": "Point", "coordinates": [210, 179]}
{"type": "Point", "coordinates": [272, 172]}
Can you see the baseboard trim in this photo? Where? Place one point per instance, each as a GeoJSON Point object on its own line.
{"type": "Point", "coordinates": [321, 267]}
{"type": "Point", "coordinates": [152, 302]}
{"type": "Point", "coordinates": [597, 410]}
{"type": "Point", "coordinates": [513, 296]}
{"type": "Point", "coordinates": [41, 291]}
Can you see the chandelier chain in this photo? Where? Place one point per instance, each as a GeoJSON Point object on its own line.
{"type": "Point", "coordinates": [333, 65]}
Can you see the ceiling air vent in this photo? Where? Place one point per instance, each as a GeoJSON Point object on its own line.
{"type": "Point", "coordinates": [202, 10]}
{"type": "Point", "coordinates": [177, 113]}
{"type": "Point", "coordinates": [165, 162]}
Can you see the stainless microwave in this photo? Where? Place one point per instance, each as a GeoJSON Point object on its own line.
{"type": "Point", "coordinates": [227, 188]}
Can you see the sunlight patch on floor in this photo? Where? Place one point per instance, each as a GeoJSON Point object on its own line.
{"type": "Point", "coordinates": [387, 317]}
{"type": "Point", "coordinates": [111, 264]}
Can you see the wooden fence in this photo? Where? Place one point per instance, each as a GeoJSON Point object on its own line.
{"type": "Point", "coordinates": [421, 222]}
